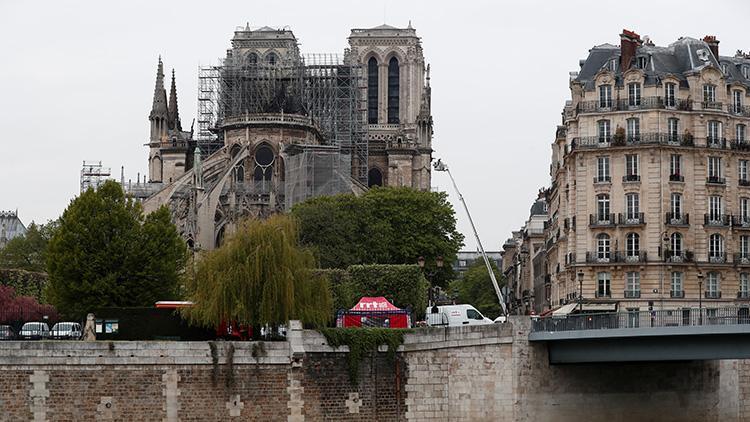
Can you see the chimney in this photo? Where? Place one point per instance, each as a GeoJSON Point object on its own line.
{"type": "Point", "coordinates": [629, 42]}
{"type": "Point", "coordinates": [713, 44]}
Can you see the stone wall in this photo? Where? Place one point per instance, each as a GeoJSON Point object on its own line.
{"type": "Point", "coordinates": [473, 373]}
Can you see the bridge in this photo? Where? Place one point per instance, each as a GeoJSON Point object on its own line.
{"type": "Point", "coordinates": [646, 336]}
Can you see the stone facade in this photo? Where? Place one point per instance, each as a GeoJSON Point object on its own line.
{"type": "Point", "coordinates": [277, 127]}
{"type": "Point", "coordinates": [10, 227]}
{"type": "Point", "coordinates": [650, 197]}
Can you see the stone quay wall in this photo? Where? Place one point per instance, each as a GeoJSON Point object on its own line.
{"type": "Point", "coordinates": [477, 373]}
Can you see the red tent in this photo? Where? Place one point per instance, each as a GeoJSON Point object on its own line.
{"type": "Point", "coordinates": [374, 312]}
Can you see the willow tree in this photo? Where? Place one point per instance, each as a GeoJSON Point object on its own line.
{"type": "Point", "coordinates": [260, 275]}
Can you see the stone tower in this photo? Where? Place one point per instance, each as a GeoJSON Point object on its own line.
{"type": "Point", "coordinates": [397, 102]}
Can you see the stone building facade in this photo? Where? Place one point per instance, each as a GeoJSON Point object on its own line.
{"type": "Point", "coordinates": [10, 227]}
{"type": "Point", "coordinates": [650, 196]}
{"type": "Point", "coordinates": [276, 127]}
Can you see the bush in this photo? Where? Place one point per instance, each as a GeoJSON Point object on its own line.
{"type": "Point", "coordinates": [25, 283]}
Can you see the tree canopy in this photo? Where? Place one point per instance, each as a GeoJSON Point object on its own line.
{"type": "Point", "coordinates": [260, 275]}
{"type": "Point", "coordinates": [106, 253]}
{"type": "Point", "coordinates": [382, 226]}
{"type": "Point", "coordinates": [28, 252]}
{"type": "Point", "coordinates": [475, 288]}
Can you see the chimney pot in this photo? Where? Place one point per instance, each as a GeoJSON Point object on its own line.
{"type": "Point", "coordinates": [713, 44]}
{"type": "Point", "coordinates": [629, 42]}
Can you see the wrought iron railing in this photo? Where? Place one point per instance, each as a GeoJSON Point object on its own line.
{"type": "Point", "coordinates": [642, 319]}
{"type": "Point", "coordinates": [601, 220]}
{"type": "Point", "coordinates": [678, 256]}
{"type": "Point", "coordinates": [716, 220]}
{"type": "Point", "coordinates": [675, 219]}
{"type": "Point", "coordinates": [632, 219]}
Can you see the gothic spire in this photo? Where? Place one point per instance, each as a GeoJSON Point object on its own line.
{"type": "Point", "coordinates": [174, 113]}
{"type": "Point", "coordinates": [159, 108]}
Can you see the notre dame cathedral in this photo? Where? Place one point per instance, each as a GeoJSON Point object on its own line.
{"type": "Point", "coordinates": [276, 127]}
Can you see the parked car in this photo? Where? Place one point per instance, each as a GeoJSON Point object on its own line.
{"type": "Point", "coordinates": [502, 319]}
{"type": "Point", "coordinates": [34, 331]}
{"type": "Point", "coordinates": [455, 316]}
{"type": "Point", "coordinates": [66, 330]}
{"type": "Point", "coordinates": [6, 332]}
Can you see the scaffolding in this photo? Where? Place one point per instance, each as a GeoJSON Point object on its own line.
{"type": "Point", "coordinates": [320, 87]}
{"type": "Point", "coordinates": [315, 170]}
{"type": "Point", "coordinates": [93, 175]}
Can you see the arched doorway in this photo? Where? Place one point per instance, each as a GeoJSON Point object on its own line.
{"type": "Point", "coordinates": [374, 177]}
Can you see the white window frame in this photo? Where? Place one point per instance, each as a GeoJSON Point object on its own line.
{"type": "Point", "coordinates": [632, 244]}
{"type": "Point", "coordinates": [713, 282]}
{"type": "Point", "coordinates": [675, 165]}
{"type": "Point", "coordinates": [675, 242]}
{"type": "Point", "coordinates": [744, 283]}
{"type": "Point", "coordinates": [714, 167]}
{"type": "Point", "coordinates": [632, 206]}
{"type": "Point", "coordinates": [631, 165]}
{"type": "Point", "coordinates": [737, 100]}
{"type": "Point", "coordinates": [633, 281]}
{"type": "Point", "coordinates": [676, 205]}
{"type": "Point", "coordinates": [604, 131]}
{"type": "Point", "coordinates": [603, 207]}
{"type": "Point", "coordinates": [634, 94]}
{"type": "Point", "coordinates": [715, 245]}
{"type": "Point", "coordinates": [715, 208]}
{"type": "Point", "coordinates": [603, 284]}
{"type": "Point", "coordinates": [676, 281]}
{"type": "Point", "coordinates": [713, 131]}
{"type": "Point", "coordinates": [740, 130]}
{"type": "Point", "coordinates": [673, 129]}
{"type": "Point", "coordinates": [709, 93]}
{"type": "Point", "coordinates": [603, 246]}
{"type": "Point", "coordinates": [633, 129]}
{"type": "Point", "coordinates": [602, 168]}
{"type": "Point", "coordinates": [605, 96]}
{"type": "Point", "coordinates": [670, 94]}
{"type": "Point", "coordinates": [742, 169]}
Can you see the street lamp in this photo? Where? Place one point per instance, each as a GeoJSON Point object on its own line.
{"type": "Point", "coordinates": [700, 297]}
{"type": "Point", "coordinates": [429, 275]}
{"type": "Point", "coordinates": [580, 290]}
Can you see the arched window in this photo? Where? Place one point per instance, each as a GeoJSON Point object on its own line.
{"type": "Point", "coordinates": [252, 59]}
{"type": "Point", "coordinates": [633, 245]}
{"type": "Point", "coordinates": [716, 248]}
{"type": "Point", "coordinates": [234, 150]}
{"type": "Point", "coordinates": [239, 173]}
{"type": "Point", "coordinates": [602, 246]}
{"type": "Point", "coordinates": [271, 59]}
{"type": "Point", "coordinates": [263, 172]}
{"type": "Point", "coordinates": [372, 91]}
{"type": "Point", "coordinates": [393, 87]}
{"type": "Point", "coordinates": [374, 177]}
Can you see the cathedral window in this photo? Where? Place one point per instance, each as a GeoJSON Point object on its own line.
{"type": "Point", "coordinates": [264, 158]}
{"type": "Point", "coordinates": [372, 91]}
{"type": "Point", "coordinates": [252, 59]}
{"type": "Point", "coordinates": [374, 178]}
{"type": "Point", "coordinates": [271, 59]}
{"type": "Point", "coordinates": [393, 88]}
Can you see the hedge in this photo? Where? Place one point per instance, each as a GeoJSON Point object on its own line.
{"type": "Point", "coordinates": [25, 283]}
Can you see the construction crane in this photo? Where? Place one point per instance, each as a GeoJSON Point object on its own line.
{"type": "Point", "coordinates": [440, 166]}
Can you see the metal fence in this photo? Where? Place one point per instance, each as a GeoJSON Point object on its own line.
{"type": "Point", "coordinates": [643, 319]}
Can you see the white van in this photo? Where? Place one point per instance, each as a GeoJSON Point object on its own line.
{"type": "Point", "coordinates": [455, 316]}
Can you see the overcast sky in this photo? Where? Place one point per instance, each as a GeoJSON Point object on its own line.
{"type": "Point", "coordinates": [78, 78]}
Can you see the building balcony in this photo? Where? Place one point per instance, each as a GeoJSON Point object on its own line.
{"type": "Point", "coordinates": [674, 219]}
{"type": "Point", "coordinates": [743, 295]}
{"type": "Point", "coordinates": [677, 294]}
{"type": "Point", "coordinates": [741, 222]}
{"type": "Point", "coordinates": [633, 257]}
{"type": "Point", "coordinates": [740, 145]}
{"type": "Point", "coordinates": [717, 257]}
{"type": "Point", "coordinates": [616, 257]}
{"type": "Point", "coordinates": [631, 294]}
{"type": "Point", "coordinates": [642, 103]}
{"type": "Point", "coordinates": [744, 182]}
{"type": "Point", "coordinates": [716, 180]}
{"type": "Point", "coordinates": [645, 139]}
{"type": "Point", "coordinates": [740, 110]}
{"type": "Point", "coordinates": [678, 256]}
{"type": "Point", "coordinates": [602, 179]}
{"type": "Point", "coordinates": [712, 295]}
{"type": "Point", "coordinates": [716, 220]}
{"type": "Point", "coordinates": [676, 178]}
{"type": "Point", "coordinates": [636, 219]}
{"type": "Point", "coordinates": [602, 293]}
{"type": "Point", "coordinates": [741, 258]}
{"type": "Point", "coordinates": [604, 220]}
{"type": "Point", "coordinates": [717, 143]}
{"type": "Point", "coordinates": [712, 105]}
{"type": "Point", "coordinates": [631, 178]}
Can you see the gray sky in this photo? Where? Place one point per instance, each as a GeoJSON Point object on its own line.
{"type": "Point", "coordinates": [78, 77]}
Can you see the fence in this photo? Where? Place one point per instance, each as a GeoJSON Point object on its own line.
{"type": "Point", "coordinates": [642, 319]}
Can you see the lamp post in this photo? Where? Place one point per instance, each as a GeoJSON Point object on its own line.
{"type": "Point", "coordinates": [700, 297]}
{"type": "Point", "coordinates": [580, 290]}
{"type": "Point", "coordinates": [429, 275]}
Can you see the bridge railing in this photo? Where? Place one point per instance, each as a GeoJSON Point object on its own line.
{"type": "Point", "coordinates": [643, 319]}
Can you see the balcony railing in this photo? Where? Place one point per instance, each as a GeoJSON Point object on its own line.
{"type": "Point", "coordinates": [594, 142]}
{"type": "Point", "coordinates": [744, 182]}
{"type": "Point", "coordinates": [719, 143]}
{"type": "Point", "coordinates": [741, 221]}
{"type": "Point", "coordinates": [678, 256]}
{"type": "Point", "coordinates": [637, 256]}
{"type": "Point", "coordinates": [635, 219]}
{"type": "Point", "coordinates": [629, 178]}
{"type": "Point", "coordinates": [632, 294]}
{"type": "Point", "coordinates": [616, 257]}
{"type": "Point", "coordinates": [604, 220]}
{"type": "Point", "coordinates": [740, 145]}
{"type": "Point", "coordinates": [674, 219]}
{"type": "Point", "coordinates": [646, 103]}
{"type": "Point", "coordinates": [717, 257]}
{"type": "Point", "coordinates": [676, 294]}
{"type": "Point", "coordinates": [676, 178]}
{"type": "Point", "coordinates": [712, 105]}
{"type": "Point", "coordinates": [599, 293]}
{"type": "Point", "coordinates": [712, 295]}
{"type": "Point", "coordinates": [716, 220]}
{"type": "Point", "coordinates": [743, 295]}
{"type": "Point", "coordinates": [716, 180]}
{"type": "Point", "coordinates": [741, 258]}
{"type": "Point", "coordinates": [740, 110]}
{"type": "Point", "coordinates": [602, 179]}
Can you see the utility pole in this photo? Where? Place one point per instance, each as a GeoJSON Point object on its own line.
{"type": "Point", "coordinates": [440, 166]}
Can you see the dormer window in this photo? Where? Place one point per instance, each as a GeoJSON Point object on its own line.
{"type": "Point", "coordinates": [612, 65]}
{"type": "Point", "coordinates": [746, 72]}
{"type": "Point", "coordinates": [724, 69]}
{"type": "Point", "coordinates": [640, 62]}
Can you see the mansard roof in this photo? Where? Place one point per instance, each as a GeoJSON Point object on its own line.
{"type": "Point", "coordinates": [679, 59]}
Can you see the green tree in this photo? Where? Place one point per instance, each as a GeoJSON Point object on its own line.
{"type": "Point", "coordinates": [382, 226]}
{"type": "Point", "coordinates": [259, 275]}
{"type": "Point", "coordinates": [106, 254]}
{"type": "Point", "coordinates": [28, 252]}
{"type": "Point", "coordinates": [476, 288]}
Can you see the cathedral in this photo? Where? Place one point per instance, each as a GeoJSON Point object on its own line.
{"type": "Point", "coordinates": [276, 127]}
